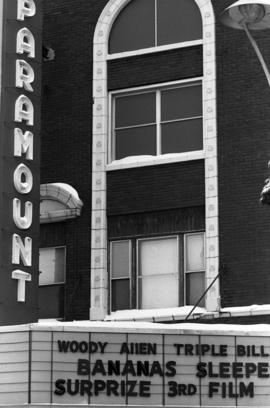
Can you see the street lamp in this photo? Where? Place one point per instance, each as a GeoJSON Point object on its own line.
{"type": "Point", "coordinates": [249, 15]}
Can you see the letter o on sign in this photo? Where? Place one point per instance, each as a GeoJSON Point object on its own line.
{"type": "Point", "coordinates": [23, 179]}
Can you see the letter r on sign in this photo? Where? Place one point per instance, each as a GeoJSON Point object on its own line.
{"type": "Point", "coordinates": [25, 75]}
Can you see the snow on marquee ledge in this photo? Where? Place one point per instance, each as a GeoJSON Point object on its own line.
{"type": "Point", "coordinates": [142, 327]}
{"type": "Point", "coordinates": [180, 313]}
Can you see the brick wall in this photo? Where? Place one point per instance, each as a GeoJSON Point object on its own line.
{"type": "Point", "coordinates": [68, 234]}
{"type": "Point", "coordinates": [66, 135]}
{"type": "Point", "coordinates": [243, 106]}
{"type": "Point", "coordinates": [155, 68]}
{"type": "Point", "coordinates": [243, 103]}
{"type": "Point", "coordinates": [155, 188]}
{"type": "Point", "coordinates": [66, 130]}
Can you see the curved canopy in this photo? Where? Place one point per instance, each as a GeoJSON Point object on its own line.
{"type": "Point", "coordinates": [58, 202]}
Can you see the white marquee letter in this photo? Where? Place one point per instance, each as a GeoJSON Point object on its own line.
{"type": "Point", "coordinates": [23, 179]}
{"type": "Point", "coordinates": [25, 42]}
{"type": "Point", "coordinates": [24, 110]}
{"type": "Point", "coordinates": [26, 221]}
{"type": "Point", "coordinates": [25, 8]}
{"type": "Point", "coordinates": [21, 251]}
{"type": "Point", "coordinates": [24, 75]}
{"type": "Point", "coordinates": [23, 143]}
{"type": "Point", "coordinates": [22, 277]}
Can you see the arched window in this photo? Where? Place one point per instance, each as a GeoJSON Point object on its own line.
{"type": "Point", "coordinates": [151, 122]}
{"type": "Point", "coordinates": [153, 23]}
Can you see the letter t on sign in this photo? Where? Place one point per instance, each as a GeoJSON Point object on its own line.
{"type": "Point", "coordinates": [21, 277]}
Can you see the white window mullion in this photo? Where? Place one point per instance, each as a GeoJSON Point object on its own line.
{"type": "Point", "coordinates": [111, 141]}
{"type": "Point", "coordinates": [158, 120]}
{"type": "Point", "coordinates": [155, 23]}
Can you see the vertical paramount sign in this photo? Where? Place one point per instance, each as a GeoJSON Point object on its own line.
{"type": "Point", "coordinates": [20, 88]}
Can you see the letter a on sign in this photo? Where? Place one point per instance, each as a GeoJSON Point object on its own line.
{"type": "Point", "coordinates": [26, 42]}
{"type": "Point", "coordinates": [24, 110]}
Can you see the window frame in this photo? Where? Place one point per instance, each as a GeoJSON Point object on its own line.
{"type": "Point", "coordinates": [65, 265]}
{"type": "Point", "coordinates": [185, 271]}
{"type": "Point", "coordinates": [138, 263]}
{"type": "Point", "coordinates": [134, 265]}
{"type": "Point", "coordinates": [129, 272]}
{"type": "Point", "coordinates": [156, 48]}
{"type": "Point", "coordinates": [150, 50]}
{"type": "Point", "coordinates": [159, 158]}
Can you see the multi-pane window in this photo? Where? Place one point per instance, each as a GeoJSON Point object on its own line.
{"type": "Point", "coordinates": [52, 273]}
{"type": "Point", "coordinates": [158, 277]}
{"type": "Point", "coordinates": [157, 272]}
{"type": "Point", "coordinates": [160, 22]}
{"type": "Point", "coordinates": [121, 274]}
{"type": "Point", "coordinates": [194, 268]}
{"type": "Point", "coordinates": [157, 121]}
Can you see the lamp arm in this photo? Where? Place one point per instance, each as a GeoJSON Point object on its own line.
{"type": "Point", "coordinates": [258, 52]}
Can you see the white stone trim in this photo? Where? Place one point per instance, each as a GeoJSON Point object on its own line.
{"type": "Point", "coordinates": [149, 50]}
{"type": "Point", "coordinates": [99, 291]}
{"type": "Point", "coordinates": [155, 160]}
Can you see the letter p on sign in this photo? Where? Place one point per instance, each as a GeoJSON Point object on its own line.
{"type": "Point", "coordinates": [26, 8]}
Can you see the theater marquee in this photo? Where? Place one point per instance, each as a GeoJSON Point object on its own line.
{"type": "Point", "coordinates": [20, 67]}
{"type": "Point", "coordinates": [91, 367]}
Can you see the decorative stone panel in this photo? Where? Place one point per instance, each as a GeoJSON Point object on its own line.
{"type": "Point", "coordinates": [99, 290]}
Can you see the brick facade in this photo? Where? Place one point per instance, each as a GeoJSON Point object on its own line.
{"type": "Point", "coordinates": [66, 134]}
{"type": "Point", "coordinates": [142, 70]}
{"type": "Point", "coordinates": [243, 121]}
{"type": "Point", "coordinates": [243, 153]}
{"type": "Point", "coordinates": [155, 188]}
